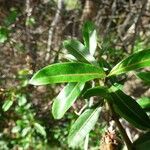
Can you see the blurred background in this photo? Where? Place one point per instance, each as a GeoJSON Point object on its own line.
{"type": "Point", "coordinates": [31, 36]}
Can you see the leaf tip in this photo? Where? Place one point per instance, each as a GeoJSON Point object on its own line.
{"type": "Point", "coordinates": [55, 114]}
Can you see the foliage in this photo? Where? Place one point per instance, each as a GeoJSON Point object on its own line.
{"type": "Point", "coordinates": [25, 131]}
{"type": "Point", "coordinates": [6, 28]}
{"type": "Point", "coordinates": [85, 68]}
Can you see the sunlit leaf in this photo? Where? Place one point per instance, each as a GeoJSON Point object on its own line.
{"type": "Point", "coordinates": [22, 100]}
{"type": "Point", "coordinates": [90, 37]}
{"type": "Point", "coordinates": [83, 125]}
{"type": "Point", "coordinates": [137, 60]}
{"type": "Point", "coordinates": [66, 98]}
{"type": "Point", "coordinates": [7, 104]}
{"type": "Point", "coordinates": [144, 102]}
{"type": "Point", "coordinates": [143, 142]}
{"type": "Point", "coordinates": [129, 109]}
{"type": "Point", "coordinates": [40, 129]}
{"type": "Point", "coordinates": [66, 72]}
{"type": "Point", "coordinates": [145, 76]}
{"type": "Point", "coordinates": [16, 129]}
{"type": "Point", "coordinates": [25, 131]}
{"type": "Point", "coordinates": [79, 51]}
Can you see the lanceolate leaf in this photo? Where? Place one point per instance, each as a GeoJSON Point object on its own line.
{"type": "Point", "coordinates": [66, 72]}
{"type": "Point", "coordinates": [144, 102]}
{"type": "Point", "coordinates": [40, 129]}
{"type": "Point", "coordinates": [145, 76]}
{"type": "Point", "coordinates": [143, 142]}
{"type": "Point", "coordinates": [79, 51]}
{"type": "Point", "coordinates": [129, 109]}
{"type": "Point", "coordinates": [90, 36]}
{"type": "Point", "coordinates": [137, 60]}
{"type": "Point", "coordinates": [96, 91]}
{"type": "Point", "coordinates": [7, 104]}
{"type": "Point", "coordinates": [83, 125]}
{"type": "Point", "coordinates": [66, 98]}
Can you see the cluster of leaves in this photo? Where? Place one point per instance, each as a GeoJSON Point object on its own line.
{"type": "Point", "coordinates": [6, 28]}
{"type": "Point", "coordinates": [26, 132]}
{"type": "Point", "coordinates": [85, 68]}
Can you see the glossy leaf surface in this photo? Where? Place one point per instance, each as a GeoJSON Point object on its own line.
{"type": "Point", "coordinates": [137, 60]}
{"type": "Point", "coordinates": [66, 72]}
{"type": "Point", "coordinates": [79, 51]}
{"type": "Point", "coordinates": [96, 91]}
{"type": "Point", "coordinates": [129, 109]}
{"type": "Point", "coordinates": [66, 98]}
{"type": "Point", "coordinates": [90, 37]}
{"type": "Point", "coordinates": [83, 125]}
{"type": "Point", "coordinates": [145, 76]}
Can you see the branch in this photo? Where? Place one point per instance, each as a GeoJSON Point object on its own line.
{"type": "Point", "coordinates": [53, 25]}
{"type": "Point", "coordinates": [120, 127]}
{"type": "Point", "coordinates": [138, 22]}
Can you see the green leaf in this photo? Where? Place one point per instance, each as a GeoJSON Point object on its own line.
{"type": "Point", "coordinates": [144, 102]}
{"type": "Point", "coordinates": [11, 17]}
{"type": "Point", "coordinates": [129, 109]}
{"type": "Point", "coordinates": [79, 51]}
{"type": "Point", "coordinates": [90, 36]}
{"type": "Point", "coordinates": [7, 104]}
{"type": "Point", "coordinates": [137, 60]}
{"type": "Point", "coordinates": [30, 21]}
{"type": "Point", "coordinates": [145, 76]}
{"type": "Point", "coordinates": [3, 34]}
{"type": "Point", "coordinates": [96, 91]}
{"type": "Point", "coordinates": [83, 125]}
{"type": "Point", "coordinates": [143, 142]}
{"type": "Point", "coordinates": [22, 100]}
{"type": "Point", "coordinates": [66, 98]}
{"type": "Point", "coordinates": [25, 131]}
{"type": "Point", "coordinates": [16, 129]}
{"type": "Point", "coordinates": [66, 72]}
{"type": "Point", "coordinates": [40, 129]}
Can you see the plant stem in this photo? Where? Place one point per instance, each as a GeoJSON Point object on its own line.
{"type": "Point", "coordinates": [120, 127]}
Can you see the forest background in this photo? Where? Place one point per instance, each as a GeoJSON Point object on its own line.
{"type": "Point", "coordinates": [31, 35]}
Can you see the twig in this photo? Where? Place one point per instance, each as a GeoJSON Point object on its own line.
{"type": "Point", "coordinates": [113, 8]}
{"type": "Point", "coordinates": [138, 22]}
{"type": "Point", "coordinates": [120, 127]}
{"type": "Point", "coordinates": [51, 30]}
{"type": "Point", "coordinates": [30, 44]}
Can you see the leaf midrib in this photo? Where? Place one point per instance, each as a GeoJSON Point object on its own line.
{"type": "Point", "coordinates": [71, 93]}
{"type": "Point", "coordinates": [86, 121]}
{"type": "Point", "coordinates": [74, 90]}
{"type": "Point", "coordinates": [82, 74]}
{"type": "Point", "coordinates": [125, 68]}
{"type": "Point", "coordinates": [84, 57]}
